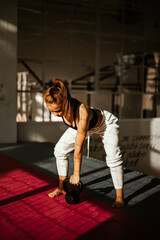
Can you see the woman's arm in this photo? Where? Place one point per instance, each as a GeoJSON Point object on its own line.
{"type": "Point", "coordinates": [82, 128]}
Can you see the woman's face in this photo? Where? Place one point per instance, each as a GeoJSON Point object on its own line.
{"type": "Point", "coordinates": [56, 109]}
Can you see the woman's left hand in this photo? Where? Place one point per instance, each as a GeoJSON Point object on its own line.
{"type": "Point", "coordinates": [74, 179]}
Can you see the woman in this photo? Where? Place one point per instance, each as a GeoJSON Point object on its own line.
{"type": "Point", "coordinates": [83, 121]}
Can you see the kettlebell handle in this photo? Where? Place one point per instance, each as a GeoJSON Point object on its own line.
{"type": "Point", "coordinates": [78, 188]}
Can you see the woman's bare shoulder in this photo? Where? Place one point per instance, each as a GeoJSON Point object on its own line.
{"type": "Point", "coordinates": [84, 108]}
{"type": "Point", "coordinates": [85, 112]}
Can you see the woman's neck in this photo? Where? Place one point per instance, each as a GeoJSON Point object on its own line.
{"type": "Point", "coordinates": [68, 110]}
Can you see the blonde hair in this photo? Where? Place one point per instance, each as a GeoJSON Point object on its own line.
{"type": "Point", "coordinates": [58, 93]}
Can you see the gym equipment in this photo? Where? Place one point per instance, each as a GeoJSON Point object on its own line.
{"type": "Point", "coordinates": [72, 191]}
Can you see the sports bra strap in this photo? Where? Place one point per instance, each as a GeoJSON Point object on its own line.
{"type": "Point", "coordinates": [92, 122]}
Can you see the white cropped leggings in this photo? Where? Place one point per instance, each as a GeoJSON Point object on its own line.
{"type": "Point", "coordinates": [109, 132]}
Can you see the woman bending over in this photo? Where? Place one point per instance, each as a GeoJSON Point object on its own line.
{"type": "Point", "coordinates": [83, 121]}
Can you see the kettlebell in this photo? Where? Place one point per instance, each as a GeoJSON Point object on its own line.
{"type": "Point", "coordinates": [72, 192]}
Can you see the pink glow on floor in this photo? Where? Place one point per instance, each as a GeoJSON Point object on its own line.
{"type": "Point", "coordinates": [27, 212]}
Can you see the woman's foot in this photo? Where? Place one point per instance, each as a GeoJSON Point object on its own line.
{"type": "Point", "coordinates": [56, 192]}
{"type": "Point", "coordinates": [119, 203]}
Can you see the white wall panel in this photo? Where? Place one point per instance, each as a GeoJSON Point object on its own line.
{"type": "Point", "coordinates": [8, 63]}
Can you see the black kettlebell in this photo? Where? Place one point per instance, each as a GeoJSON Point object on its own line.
{"type": "Point", "coordinates": [72, 191]}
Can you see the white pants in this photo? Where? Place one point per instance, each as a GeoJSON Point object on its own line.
{"type": "Point", "coordinates": [109, 132]}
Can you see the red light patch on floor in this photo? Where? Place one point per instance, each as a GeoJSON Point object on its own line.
{"type": "Point", "coordinates": [26, 211]}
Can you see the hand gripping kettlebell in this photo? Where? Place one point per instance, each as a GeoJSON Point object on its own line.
{"type": "Point", "coordinates": [72, 191]}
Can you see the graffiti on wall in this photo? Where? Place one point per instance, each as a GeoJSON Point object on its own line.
{"type": "Point", "coordinates": [137, 148]}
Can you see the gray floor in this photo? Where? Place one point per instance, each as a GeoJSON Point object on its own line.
{"type": "Point", "coordinates": [141, 192]}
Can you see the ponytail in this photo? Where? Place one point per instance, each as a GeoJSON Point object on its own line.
{"type": "Point", "coordinates": [58, 93]}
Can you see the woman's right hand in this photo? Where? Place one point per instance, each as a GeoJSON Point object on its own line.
{"type": "Point", "coordinates": [74, 179]}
